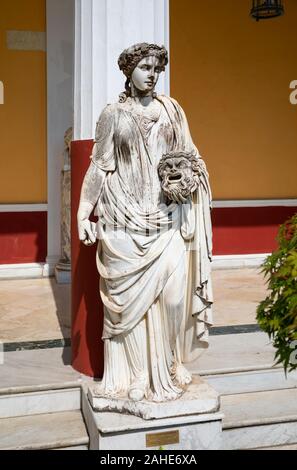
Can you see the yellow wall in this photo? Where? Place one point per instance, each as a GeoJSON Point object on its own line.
{"type": "Point", "coordinates": [23, 114]}
{"type": "Point", "coordinates": [232, 75]}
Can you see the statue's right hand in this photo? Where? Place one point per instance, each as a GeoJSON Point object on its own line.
{"type": "Point", "coordinates": [87, 232]}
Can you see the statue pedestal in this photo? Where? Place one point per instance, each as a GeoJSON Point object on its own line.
{"type": "Point", "coordinates": [199, 398]}
{"type": "Point", "coordinates": [191, 422]}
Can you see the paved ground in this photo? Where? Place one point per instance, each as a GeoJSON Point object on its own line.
{"type": "Point", "coordinates": [39, 309]}
{"type": "Point", "coordinates": [237, 293]}
{"type": "Point", "coordinates": [34, 309]}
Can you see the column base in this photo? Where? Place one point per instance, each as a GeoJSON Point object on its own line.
{"type": "Point", "coordinates": [63, 272]}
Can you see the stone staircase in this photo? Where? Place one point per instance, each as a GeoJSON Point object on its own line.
{"type": "Point", "coordinates": [45, 407]}
{"type": "Point", "coordinates": [260, 419]}
{"type": "Point", "coordinates": [43, 419]}
{"type": "Point", "coordinates": [259, 407]}
{"type": "Point", "coordinates": [258, 401]}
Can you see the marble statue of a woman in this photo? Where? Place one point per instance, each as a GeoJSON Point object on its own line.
{"type": "Point", "coordinates": [153, 253]}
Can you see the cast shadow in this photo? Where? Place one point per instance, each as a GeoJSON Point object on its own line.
{"type": "Point", "coordinates": [62, 297]}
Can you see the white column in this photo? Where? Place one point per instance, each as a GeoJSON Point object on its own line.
{"type": "Point", "coordinates": [59, 34]}
{"type": "Point", "coordinates": [103, 28]}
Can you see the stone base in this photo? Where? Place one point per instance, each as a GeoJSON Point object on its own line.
{"type": "Point", "coordinates": [119, 431]}
{"type": "Point", "coordinates": [199, 398]}
{"type": "Point", "coordinates": [63, 273]}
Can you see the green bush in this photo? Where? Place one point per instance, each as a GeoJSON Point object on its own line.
{"type": "Point", "coordinates": [277, 314]}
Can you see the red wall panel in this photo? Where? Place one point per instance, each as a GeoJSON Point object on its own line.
{"type": "Point", "coordinates": [86, 305]}
{"type": "Point", "coordinates": [247, 230]}
{"type": "Point", "coordinates": [23, 237]}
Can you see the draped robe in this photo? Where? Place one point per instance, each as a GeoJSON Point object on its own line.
{"type": "Point", "coordinates": [153, 257]}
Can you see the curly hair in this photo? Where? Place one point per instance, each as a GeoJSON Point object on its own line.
{"type": "Point", "coordinates": [130, 57]}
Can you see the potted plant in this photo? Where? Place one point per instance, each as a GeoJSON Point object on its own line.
{"type": "Point", "coordinates": [277, 314]}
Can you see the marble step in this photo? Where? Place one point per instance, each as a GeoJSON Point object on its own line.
{"type": "Point", "coordinates": [63, 430]}
{"type": "Point", "coordinates": [235, 353]}
{"type": "Point", "coordinates": [84, 447]}
{"type": "Point", "coordinates": [259, 419]}
{"type": "Point", "coordinates": [252, 381]}
{"type": "Point", "coordinates": [37, 369]}
{"type": "Point", "coordinates": [29, 371]}
{"type": "Point", "coordinates": [40, 402]}
{"type": "Point", "coordinates": [288, 447]}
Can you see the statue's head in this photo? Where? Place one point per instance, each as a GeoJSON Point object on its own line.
{"type": "Point", "coordinates": [142, 63]}
{"type": "Point", "coordinates": [179, 174]}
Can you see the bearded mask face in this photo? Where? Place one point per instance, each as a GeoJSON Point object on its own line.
{"type": "Point", "coordinates": [178, 172]}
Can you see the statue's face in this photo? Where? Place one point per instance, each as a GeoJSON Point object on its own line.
{"type": "Point", "coordinates": [146, 74]}
{"type": "Point", "coordinates": [177, 178]}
